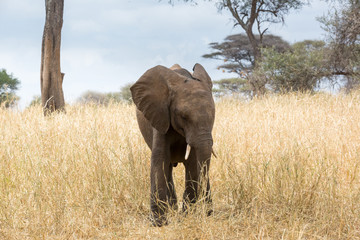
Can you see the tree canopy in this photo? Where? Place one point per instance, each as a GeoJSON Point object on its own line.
{"type": "Point", "coordinates": [237, 53]}
{"type": "Point", "coordinates": [299, 69]}
{"type": "Point", "coordinates": [258, 13]}
{"type": "Point", "coordinates": [255, 16]}
{"type": "Point", "coordinates": [8, 85]}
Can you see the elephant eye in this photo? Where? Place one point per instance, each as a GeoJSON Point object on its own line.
{"type": "Point", "coordinates": [184, 117]}
{"type": "Point", "coordinates": [181, 114]}
{"type": "Point", "coordinates": [182, 131]}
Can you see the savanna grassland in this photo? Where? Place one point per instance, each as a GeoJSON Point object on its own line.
{"type": "Point", "coordinates": [287, 168]}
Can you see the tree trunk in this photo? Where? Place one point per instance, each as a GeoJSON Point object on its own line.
{"type": "Point", "coordinates": [52, 95]}
{"type": "Point", "coordinates": [255, 45]}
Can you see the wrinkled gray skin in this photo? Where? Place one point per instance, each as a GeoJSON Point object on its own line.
{"type": "Point", "coordinates": [176, 108]}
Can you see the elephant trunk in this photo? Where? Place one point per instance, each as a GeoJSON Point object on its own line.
{"type": "Point", "coordinates": [188, 149]}
{"type": "Point", "coordinates": [202, 143]}
{"type": "Point", "coordinates": [203, 155]}
{"type": "Point", "coordinates": [198, 186]}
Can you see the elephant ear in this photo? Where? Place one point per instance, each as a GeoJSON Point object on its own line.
{"type": "Point", "coordinates": [183, 72]}
{"type": "Point", "coordinates": [202, 75]}
{"type": "Point", "coordinates": [151, 95]}
{"type": "Point", "coordinates": [175, 66]}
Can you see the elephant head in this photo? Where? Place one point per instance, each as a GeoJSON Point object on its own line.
{"type": "Point", "coordinates": [178, 99]}
{"type": "Point", "coordinates": [176, 118]}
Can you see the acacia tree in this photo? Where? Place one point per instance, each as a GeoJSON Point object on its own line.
{"type": "Point", "coordinates": [343, 33]}
{"type": "Point", "coordinates": [250, 14]}
{"type": "Point", "coordinates": [258, 14]}
{"type": "Point", "coordinates": [237, 53]}
{"type": "Point", "coordinates": [51, 78]}
{"type": "Point", "coordinates": [255, 16]}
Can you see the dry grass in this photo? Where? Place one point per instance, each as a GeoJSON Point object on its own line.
{"type": "Point", "coordinates": [287, 168]}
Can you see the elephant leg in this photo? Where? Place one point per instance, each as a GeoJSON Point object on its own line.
{"type": "Point", "coordinates": [160, 176]}
{"type": "Point", "coordinates": [158, 199]}
{"type": "Point", "coordinates": [205, 186]}
{"type": "Point", "coordinates": [171, 189]}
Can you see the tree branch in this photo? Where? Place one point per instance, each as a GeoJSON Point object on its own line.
{"type": "Point", "coordinates": [253, 14]}
{"type": "Point", "coordinates": [236, 14]}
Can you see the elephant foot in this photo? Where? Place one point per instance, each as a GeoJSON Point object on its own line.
{"type": "Point", "coordinates": [158, 221]}
{"type": "Point", "coordinates": [173, 205]}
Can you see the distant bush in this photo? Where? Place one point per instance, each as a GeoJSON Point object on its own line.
{"type": "Point", "coordinates": [229, 86]}
{"type": "Point", "coordinates": [94, 97]}
{"type": "Point", "coordinates": [35, 101]}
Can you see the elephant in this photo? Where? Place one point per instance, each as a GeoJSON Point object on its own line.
{"type": "Point", "coordinates": [176, 113]}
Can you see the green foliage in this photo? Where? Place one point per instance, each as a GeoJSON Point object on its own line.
{"type": "Point", "coordinates": [8, 85]}
{"type": "Point", "coordinates": [299, 69]}
{"type": "Point", "coordinates": [238, 55]}
{"type": "Point", "coordinates": [308, 63]}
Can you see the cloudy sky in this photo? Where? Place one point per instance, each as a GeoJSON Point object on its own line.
{"type": "Point", "coordinates": [109, 43]}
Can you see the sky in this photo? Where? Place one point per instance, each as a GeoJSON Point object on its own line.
{"type": "Point", "coordinates": [107, 44]}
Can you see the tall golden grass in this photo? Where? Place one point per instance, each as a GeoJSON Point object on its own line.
{"type": "Point", "coordinates": [287, 168]}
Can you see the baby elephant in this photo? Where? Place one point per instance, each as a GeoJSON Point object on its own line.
{"type": "Point", "coordinates": [175, 113]}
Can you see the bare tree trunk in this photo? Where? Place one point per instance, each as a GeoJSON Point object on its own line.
{"type": "Point", "coordinates": [255, 45]}
{"type": "Point", "coordinates": [52, 95]}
